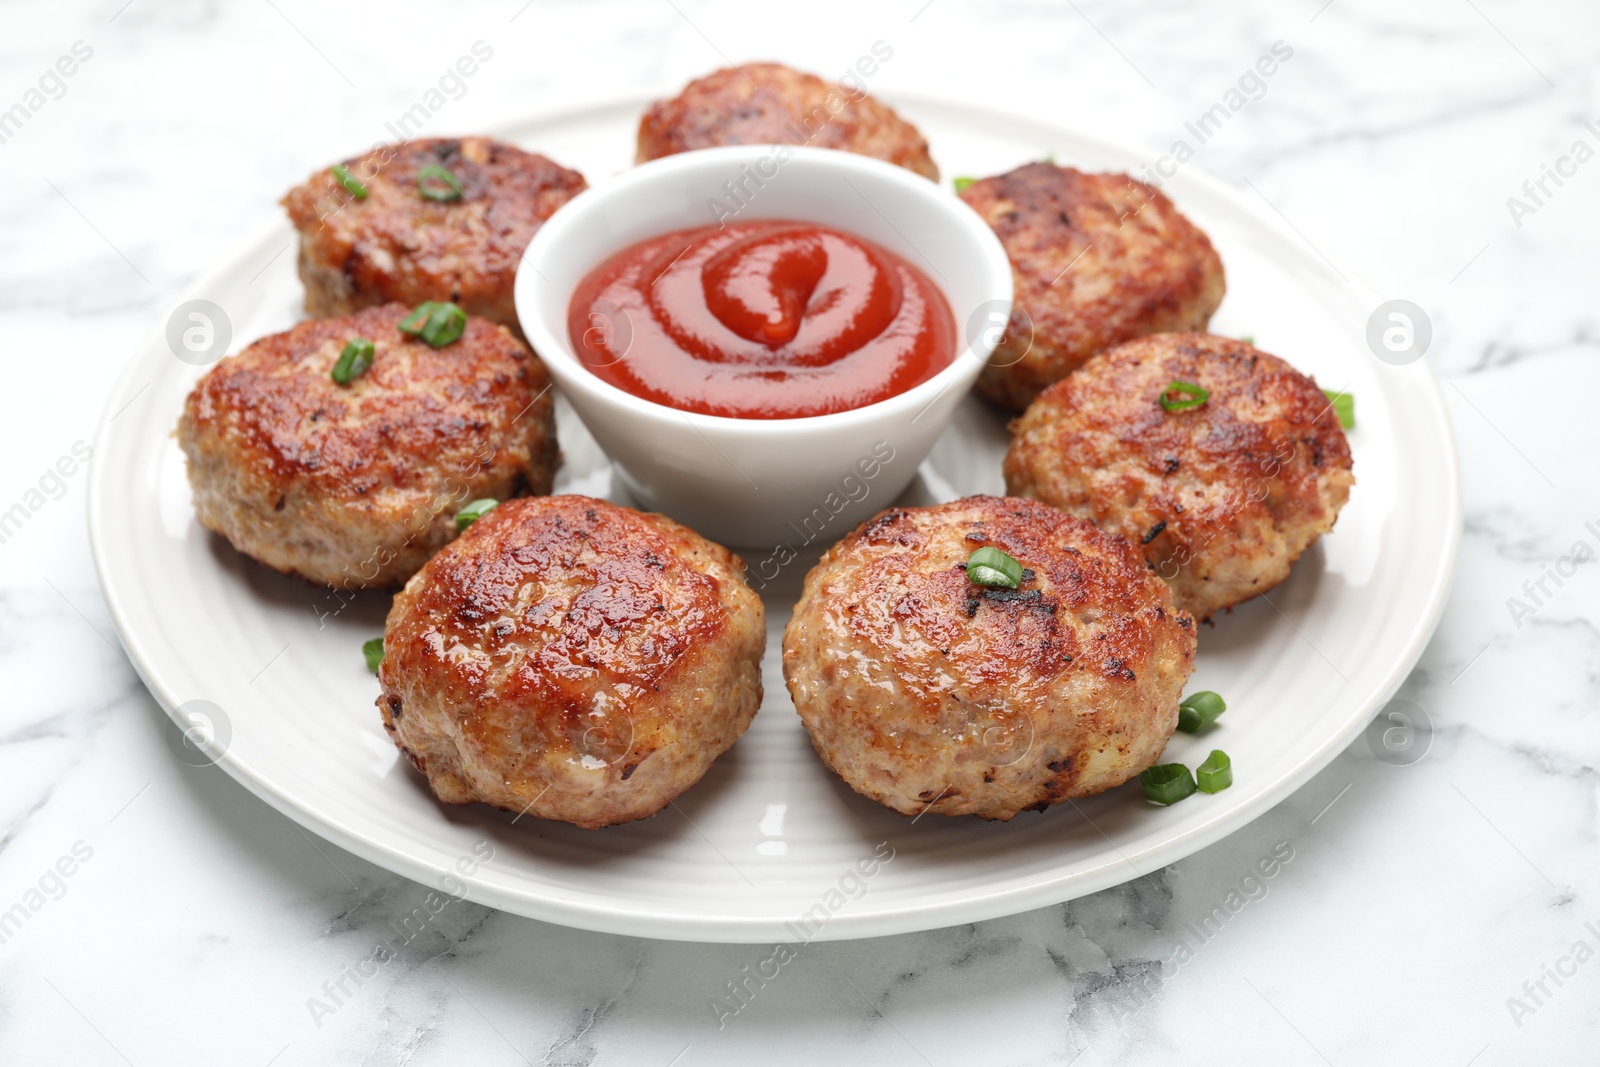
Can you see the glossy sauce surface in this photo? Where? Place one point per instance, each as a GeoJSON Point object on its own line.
{"type": "Point", "coordinates": [761, 320]}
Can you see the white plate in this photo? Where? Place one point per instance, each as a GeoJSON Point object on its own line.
{"type": "Point", "coordinates": [770, 834]}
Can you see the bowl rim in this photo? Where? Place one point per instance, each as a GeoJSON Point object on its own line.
{"type": "Point", "coordinates": [554, 349]}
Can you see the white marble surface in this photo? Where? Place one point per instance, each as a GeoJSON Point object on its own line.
{"type": "Point", "coordinates": [1414, 906]}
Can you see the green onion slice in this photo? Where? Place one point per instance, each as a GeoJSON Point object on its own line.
{"type": "Point", "coordinates": [1190, 396]}
{"type": "Point", "coordinates": [436, 183]}
{"type": "Point", "coordinates": [1199, 710]}
{"type": "Point", "coordinates": [475, 511]}
{"type": "Point", "coordinates": [1216, 773]}
{"type": "Point", "coordinates": [1344, 406]}
{"type": "Point", "coordinates": [354, 360]}
{"type": "Point", "coordinates": [1248, 338]}
{"type": "Point", "coordinates": [961, 184]}
{"type": "Point", "coordinates": [1167, 783]}
{"type": "Point", "coordinates": [436, 322]}
{"type": "Point", "coordinates": [990, 566]}
{"type": "Point", "coordinates": [373, 650]}
{"type": "Point", "coordinates": [352, 184]}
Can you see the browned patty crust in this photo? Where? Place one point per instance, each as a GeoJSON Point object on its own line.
{"type": "Point", "coordinates": [927, 692]}
{"type": "Point", "coordinates": [572, 659]}
{"type": "Point", "coordinates": [397, 245]}
{"type": "Point", "coordinates": [1097, 259]}
{"type": "Point", "coordinates": [1223, 497]}
{"type": "Point", "coordinates": [357, 485]}
{"type": "Point", "coordinates": [769, 103]}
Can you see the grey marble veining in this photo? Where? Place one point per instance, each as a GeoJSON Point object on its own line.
{"type": "Point", "coordinates": [1422, 910]}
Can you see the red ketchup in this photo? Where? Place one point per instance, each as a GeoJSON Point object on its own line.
{"type": "Point", "coordinates": [761, 320]}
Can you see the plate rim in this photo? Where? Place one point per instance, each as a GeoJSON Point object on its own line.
{"type": "Point", "coordinates": [974, 905]}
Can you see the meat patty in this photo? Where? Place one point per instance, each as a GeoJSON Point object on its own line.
{"type": "Point", "coordinates": [926, 692]}
{"type": "Point", "coordinates": [357, 485]}
{"type": "Point", "coordinates": [394, 244]}
{"type": "Point", "coordinates": [769, 103]}
{"type": "Point", "coordinates": [1097, 259]}
{"type": "Point", "coordinates": [572, 659]}
{"type": "Point", "coordinates": [1224, 496]}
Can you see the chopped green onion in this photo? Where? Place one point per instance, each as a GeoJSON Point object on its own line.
{"type": "Point", "coordinates": [990, 566]}
{"type": "Point", "coordinates": [1216, 773]}
{"type": "Point", "coordinates": [961, 184]}
{"type": "Point", "coordinates": [1167, 783]}
{"type": "Point", "coordinates": [1248, 338]}
{"type": "Point", "coordinates": [351, 183]}
{"type": "Point", "coordinates": [1344, 406]}
{"type": "Point", "coordinates": [436, 322]}
{"type": "Point", "coordinates": [1194, 394]}
{"type": "Point", "coordinates": [1199, 710]}
{"type": "Point", "coordinates": [414, 322]}
{"type": "Point", "coordinates": [475, 511]}
{"type": "Point", "coordinates": [373, 650]}
{"type": "Point", "coordinates": [354, 360]}
{"type": "Point", "coordinates": [436, 183]}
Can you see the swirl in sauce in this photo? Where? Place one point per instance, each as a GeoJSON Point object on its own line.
{"type": "Point", "coordinates": [761, 320]}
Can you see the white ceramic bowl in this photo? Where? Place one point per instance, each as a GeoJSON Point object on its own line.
{"type": "Point", "coordinates": [767, 482]}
